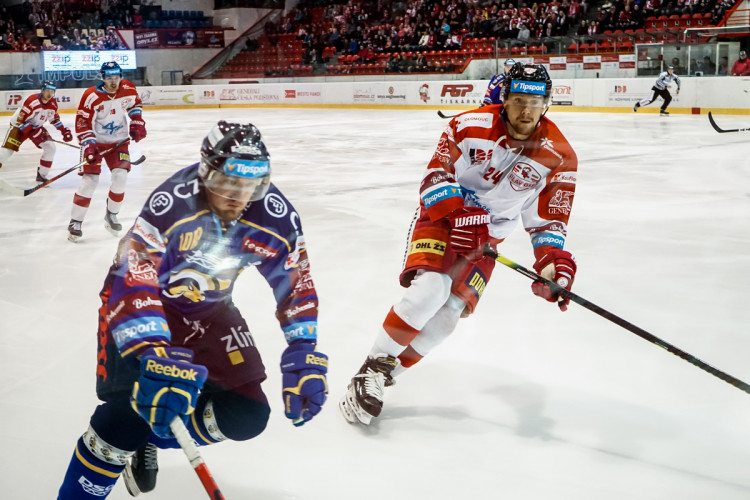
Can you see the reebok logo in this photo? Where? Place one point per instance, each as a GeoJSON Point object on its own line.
{"type": "Point", "coordinates": [170, 370]}
{"type": "Point", "coordinates": [312, 359]}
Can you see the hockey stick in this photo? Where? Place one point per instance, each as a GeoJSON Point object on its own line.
{"type": "Point", "coordinates": [196, 461]}
{"type": "Point", "coordinates": [488, 251]}
{"type": "Point", "coordinates": [7, 188]}
{"type": "Point", "coordinates": [136, 162]}
{"type": "Point", "coordinates": [724, 131]}
{"type": "Point", "coordinates": [442, 115]}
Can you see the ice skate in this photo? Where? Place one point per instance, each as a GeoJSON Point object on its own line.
{"type": "Point", "coordinates": [364, 396]}
{"type": "Point", "coordinates": [40, 178]}
{"type": "Point", "coordinates": [635, 108]}
{"type": "Point", "coordinates": [663, 113]}
{"type": "Point", "coordinates": [111, 224]}
{"type": "Point", "coordinates": [74, 230]}
{"type": "Point", "coordinates": [140, 473]}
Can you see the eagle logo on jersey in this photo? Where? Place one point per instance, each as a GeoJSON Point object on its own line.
{"type": "Point", "coordinates": [193, 284]}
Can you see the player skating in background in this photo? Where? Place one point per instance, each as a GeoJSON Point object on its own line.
{"type": "Point", "coordinates": [101, 123]}
{"type": "Point", "coordinates": [493, 166]}
{"type": "Point", "coordinates": [172, 343]}
{"type": "Point", "coordinates": [28, 123]}
{"type": "Point", "coordinates": [494, 94]}
{"type": "Point", "coordinates": [661, 89]}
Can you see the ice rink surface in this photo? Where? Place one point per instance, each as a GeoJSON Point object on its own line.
{"type": "Point", "coordinates": [522, 402]}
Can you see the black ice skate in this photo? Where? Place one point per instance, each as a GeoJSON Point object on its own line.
{"type": "Point", "coordinates": [74, 230]}
{"type": "Point", "coordinates": [364, 396]}
{"type": "Point", "coordinates": [111, 223]}
{"type": "Point", "coordinates": [140, 473]}
{"type": "Point", "coordinates": [635, 108]}
{"type": "Point", "coordinates": [39, 177]}
{"type": "Point", "coordinates": [663, 113]}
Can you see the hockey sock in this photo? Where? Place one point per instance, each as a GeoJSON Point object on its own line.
{"type": "Point", "coordinates": [117, 190]}
{"type": "Point", "coordinates": [44, 168]}
{"type": "Point", "coordinates": [82, 198]}
{"type": "Point", "coordinates": [88, 476]}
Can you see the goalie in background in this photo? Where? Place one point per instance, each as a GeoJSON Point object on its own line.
{"type": "Point", "coordinates": [28, 123]}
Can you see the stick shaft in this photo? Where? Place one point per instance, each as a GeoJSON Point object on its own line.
{"type": "Point", "coordinates": [619, 321]}
{"type": "Point", "coordinates": [194, 457]}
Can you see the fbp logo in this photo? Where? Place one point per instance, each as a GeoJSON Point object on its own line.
{"type": "Point", "coordinates": [456, 90]}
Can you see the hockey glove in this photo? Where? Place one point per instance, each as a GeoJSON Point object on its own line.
{"type": "Point", "coordinates": [304, 380]}
{"type": "Point", "coordinates": [167, 388]}
{"type": "Point", "coordinates": [38, 136]}
{"type": "Point", "coordinates": [137, 128]}
{"type": "Point", "coordinates": [90, 153]}
{"type": "Point", "coordinates": [558, 266]}
{"type": "Point", "coordinates": [469, 231]}
{"type": "Point", "coordinates": [66, 134]}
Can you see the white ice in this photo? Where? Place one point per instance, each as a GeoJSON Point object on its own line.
{"type": "Point", "coordinates": [522, 402]}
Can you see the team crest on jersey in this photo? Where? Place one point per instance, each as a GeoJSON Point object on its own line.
{"type": "Point", "coordinates": [523, 177]}
{"type": "Point", "coordinates": [193, 285]}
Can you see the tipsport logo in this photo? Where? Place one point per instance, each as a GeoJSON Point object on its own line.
{"type": "Point", "coordinates": [525, 87]}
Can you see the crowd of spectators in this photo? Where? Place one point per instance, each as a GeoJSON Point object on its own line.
{"type": "Point", "coordinates": [66, 24]}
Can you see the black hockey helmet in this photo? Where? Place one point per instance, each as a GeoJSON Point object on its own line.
{"type": "Point", "coordinates": [48, 85]}
{"type": "Point", "coordinates": [110, 68]}
{"type": "Point", "coordinates": [234, 162]}
{"type": "Point", "coordinates": [528, 79]}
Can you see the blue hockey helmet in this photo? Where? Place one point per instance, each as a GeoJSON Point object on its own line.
{"type": "Point", "coordinates": [48, 85]}
{"type": "Point", "coordinates": [509, 62]}
{"type": "Point", "coordinates": [235, 162]}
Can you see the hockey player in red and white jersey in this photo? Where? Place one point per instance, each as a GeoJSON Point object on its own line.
{"type": "Point", "coordinates": [494, 166]}
{"type": "Point", "coordinates": [101, 123]}
{"type": "Point", "coordinates": [28, 123]}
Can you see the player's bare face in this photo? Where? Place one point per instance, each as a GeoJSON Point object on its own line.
{"type": "Point", "coordinates": [524, 112]}
{"type": "Point", "coordinates": [112, 83]}
{"type": "Point", "coordinates": [47, 94]}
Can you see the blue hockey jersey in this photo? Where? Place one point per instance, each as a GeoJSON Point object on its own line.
{"type": "Point", "coordinates": [180, 255]}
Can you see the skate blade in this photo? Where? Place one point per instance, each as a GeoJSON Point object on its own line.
{"type": "Point", "coordinates": [74, 238]}
{"type": "Point", "coordinates": [351, 413]}
{"type": "Point", "coordinates": [111, 230]}
{"type": "Point", "coordinates": [129, 480]}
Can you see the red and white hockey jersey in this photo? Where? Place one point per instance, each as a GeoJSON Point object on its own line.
{"type": "Point", "coordinates": [33, 113]}
{"type": "Point", "coordinates": [478, 164]}
{"type": "Point", "coordinates": [104, 117]}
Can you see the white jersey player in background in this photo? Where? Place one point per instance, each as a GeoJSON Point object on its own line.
{"type": "Point", "coordinates": [28, 123]}
{"type": "Point", "coordinates": [102, 124]}
{"type": "Point", "coordinates": [660, 89]}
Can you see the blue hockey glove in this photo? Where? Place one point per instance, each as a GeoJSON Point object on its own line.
{"type": "Point", "coordinates": [168, 387]}
{"type": "Point", "coordinates": [304, 379]}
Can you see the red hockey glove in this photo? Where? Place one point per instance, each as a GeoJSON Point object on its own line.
{"type": "Point", "coordinates": [137, 128]}
{"type": "Point", "coordinates": [469, 231]}
{"type": "Point", "coordinates": [67, 135]}
{"type": "Point", "coordinates": [560, 267]}
{"type": "Point", "coordinates": [90, 154]}
{"type": "Point", "coordinates": [38, 136]}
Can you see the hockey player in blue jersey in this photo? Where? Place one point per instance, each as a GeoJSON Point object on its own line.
{"type": "Point", "coordinates": [494, 94]}
{"type": "Point", "coordinates": [172, 343]}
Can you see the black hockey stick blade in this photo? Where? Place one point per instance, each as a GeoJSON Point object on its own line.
{"type": "Point", "coordinates": [139, 160]}
{"type": "Point", "coordinates": [488, 251]}
{"type": "Point", "coordinates": [722, 130]}
{"type": "Point", "coordinates": [443, 115]}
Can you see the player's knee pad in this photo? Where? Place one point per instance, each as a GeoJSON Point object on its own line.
{"type": "Point", "coordinates": [439, 327]}
{"type": "Point", "coordinates": [5, 153]}
{"type": "Point", "coordinates": [239, 418]}
{"type": "Point", "coordinates": [119, 179]}
{"type": "Point", "coordinates": [48, 150]}
{"type": "Point", "coordinates": [421, 301]}
{"type": "Point", "coordinates": [88, 185]}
